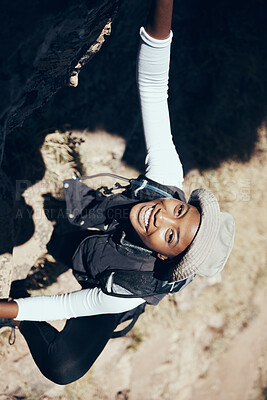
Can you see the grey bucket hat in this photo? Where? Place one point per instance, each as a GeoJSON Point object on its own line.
{"type": "Point", "coordinates": [212, 245]}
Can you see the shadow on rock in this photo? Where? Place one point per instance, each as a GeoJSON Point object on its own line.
{"type": "Point", "coordinates": [218, 86]}
{"type": "Point", "coordinates": [218, 83]}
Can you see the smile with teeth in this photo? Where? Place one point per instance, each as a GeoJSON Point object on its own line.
{"type": "Point", "coordinates": [147, 216]}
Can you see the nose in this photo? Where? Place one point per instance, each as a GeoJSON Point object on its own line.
{"type": "Point", "coordinates": [163, 217]}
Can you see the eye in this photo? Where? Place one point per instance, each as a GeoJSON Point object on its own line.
{"type": "Point", "coordinates": [180, 210]}
{"type": "Point", "coordinates": [170, 236]}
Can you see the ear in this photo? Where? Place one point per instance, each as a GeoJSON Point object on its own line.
{"type": "Point", "coordinates": [162, 257]}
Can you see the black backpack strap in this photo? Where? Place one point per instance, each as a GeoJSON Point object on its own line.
{"type": "Point", "coordinates": [137, 284]}
{"type": "Point", "coordinates": [138, 311]}
{"type": "Point", "coordinates": [128, 284]}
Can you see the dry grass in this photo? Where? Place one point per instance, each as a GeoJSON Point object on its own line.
{"type": "Point", "coordinates": [60, 158]}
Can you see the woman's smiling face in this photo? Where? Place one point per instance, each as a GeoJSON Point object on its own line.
{"type": "Point", "coordinates": [166, 226]}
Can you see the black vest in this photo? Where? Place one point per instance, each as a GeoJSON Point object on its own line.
{"type": "Point", "coordinates": [106, 259]}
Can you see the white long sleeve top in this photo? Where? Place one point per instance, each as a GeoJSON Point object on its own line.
{"type": "Point", "coordinates": [162, 165]}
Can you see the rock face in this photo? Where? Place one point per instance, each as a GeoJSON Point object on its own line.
{"type": "Point", "coordinates": [43, 47]}
{"type": "Point", "coordinates": [42, 42]}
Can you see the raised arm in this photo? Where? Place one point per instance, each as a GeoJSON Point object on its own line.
{"type": "Point", "coordinates": [162, 162]}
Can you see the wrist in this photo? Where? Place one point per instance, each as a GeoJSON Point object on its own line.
{"type": "Point", "coordinates": [159, 19]}
{"type": "Point", "coordinates": [152, 41]}
{"type": "Point", "coordinates": [8, 309]}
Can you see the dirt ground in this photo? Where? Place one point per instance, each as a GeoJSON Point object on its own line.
{"type": "Point", "coordinates": [207, 342]}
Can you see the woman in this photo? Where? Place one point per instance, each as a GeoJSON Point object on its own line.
{"type": "Point", "coordinates": [148, 228]}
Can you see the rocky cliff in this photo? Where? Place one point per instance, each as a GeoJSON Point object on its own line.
{"type": "Point", "coordinates": [42, 42]}
{"type": "Point", "coordinates": [43, 47]}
